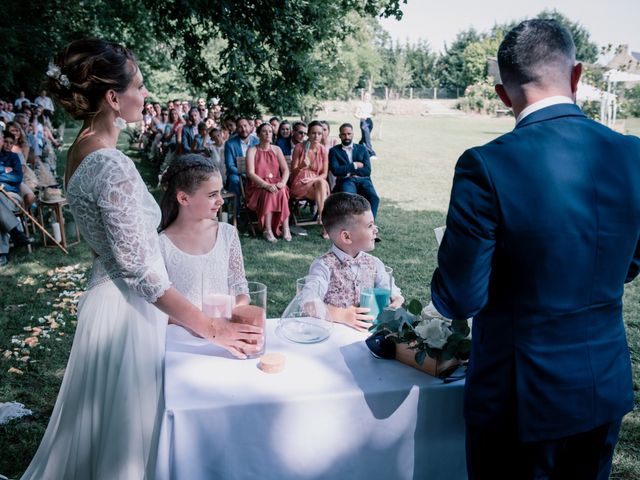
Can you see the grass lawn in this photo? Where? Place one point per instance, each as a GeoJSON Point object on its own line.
{"type": "Point", "coordinates": [413, 176]}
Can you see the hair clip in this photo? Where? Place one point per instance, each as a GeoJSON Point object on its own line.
{"type": "Point", "coordinates": [54, 71]}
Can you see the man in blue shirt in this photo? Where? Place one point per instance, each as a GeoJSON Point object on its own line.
{"type": "Point", "coordinates": [10, 178]}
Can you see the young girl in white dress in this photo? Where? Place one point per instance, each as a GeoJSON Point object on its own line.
{"type": "Point", "coordinates": [106, 419]}
{"type": "Point", "coordinates": [202, 255]}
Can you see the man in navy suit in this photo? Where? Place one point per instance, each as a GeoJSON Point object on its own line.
{"type": "Point", "coordinates": [542, 233]}
{"type": "Point", "coordinates": [235, 147]}
{"type": "Point", "coordinates": [352, 168]}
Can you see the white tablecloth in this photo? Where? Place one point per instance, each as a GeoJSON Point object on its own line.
{"type": "Point", "coordinates": [335, 412]}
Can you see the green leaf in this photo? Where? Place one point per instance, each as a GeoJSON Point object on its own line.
{"type": "Point", "coordinates": [433, 352]}
{"type": "Point", "coordinates": [420, 356]}
{"type": "Point", "coordinates": [414, 307]}
{"type": "Point", "coordinates": [461, 326]}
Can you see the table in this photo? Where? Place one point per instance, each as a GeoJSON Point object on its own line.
{"type": "Point", "coordinates": [335, 412]}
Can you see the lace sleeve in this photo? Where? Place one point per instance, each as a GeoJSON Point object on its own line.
{"type": "Point", "coordinates": [133, 241]}
{"type": "Point", "coordinates": [236, 262]}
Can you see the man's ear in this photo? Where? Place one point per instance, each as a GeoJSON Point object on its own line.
{"type": "Point", "coordinates": [345, 236]}
{"type": "Point", "coordinates": [576, 73]}
{"type": "Point", "coordinates": [504, 96]}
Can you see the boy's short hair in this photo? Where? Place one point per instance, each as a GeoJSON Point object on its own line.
{"type": "Point", "coordinates": [8, 134]}
{"type": "Point", "coordinates": [341, 208]}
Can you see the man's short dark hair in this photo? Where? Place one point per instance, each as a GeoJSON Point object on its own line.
{"type": "Point", "coordinates": [345, 125]}
{"type": "Point", "coordinates": [534, 51]}
{"type": "Point", "coordinates": [341, 208]}
{"type": "Point", "coordinates": [298, 124]}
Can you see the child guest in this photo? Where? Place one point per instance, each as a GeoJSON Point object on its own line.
{"type": "Point", "coordinates": [347, 269]}
{"type": "Point", "coordinates": [199, 252]}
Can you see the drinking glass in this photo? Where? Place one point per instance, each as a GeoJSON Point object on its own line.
{"type": "Point", "coordinates": [306, 318]}
{"type": "Point", "coordinates": [215, 303]}
{"type": "Point", "coordinates": [251, 308]}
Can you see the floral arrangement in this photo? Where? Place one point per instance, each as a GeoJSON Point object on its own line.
{"type": "Point", "coordinates": [426, 332]}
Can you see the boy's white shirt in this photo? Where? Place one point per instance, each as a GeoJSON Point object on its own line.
{"type": "Point", "coordinates": [320, 271]}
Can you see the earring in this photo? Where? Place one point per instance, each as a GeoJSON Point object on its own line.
{"type": "Point", "coordinates": [119, 122]}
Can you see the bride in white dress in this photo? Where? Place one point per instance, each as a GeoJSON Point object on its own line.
{"type": "Point", "coordinates": [105, 421]}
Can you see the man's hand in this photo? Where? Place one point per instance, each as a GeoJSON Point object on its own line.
{"type": "Point", "coordinates": [358, 164]}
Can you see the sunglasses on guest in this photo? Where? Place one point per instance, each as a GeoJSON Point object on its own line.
{"type": "Point", "coordinates": [301, 132]}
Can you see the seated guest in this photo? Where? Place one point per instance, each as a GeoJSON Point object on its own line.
{"type": "Point", "coordinates": [10, 229]}
{"type": "Point", "coordinates": [298, 133]}
{"type": "Point", "coordinates": [11, 173]}
{"type": "Point", "coordinates": [327, 140]}
{"type": "Point", "coordinates": [190, 130]}
{"type": "Point", "coordinates": [198, 143]}
{"type": "Point", "coordinates": [351, 166]}
{"type": "Point", "coordinates": [346, 269]}
{"type": "Point", "coordinates": [216, 152]}
{"type": "Point", "coordinates": [283, 139]}
{"type": "Point", "coordinates": [267, 192]}
{"type": "Point", "coordinates": [21, 101]}
{"type": "Point", "coordinates": [228, 128]}
{"type": "Point", "coordinates": [309, 168]}
{"type": "Point", "coordinates": [17, 146]}
{"type": "Point", "coordinates": [235, 147]}
{"type": "Point", "coordinates": [45, 103]}
{"type": "Point", "coordinates": [275, 123]}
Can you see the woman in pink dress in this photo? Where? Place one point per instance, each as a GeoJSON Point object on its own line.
{"type": "Point", "coordinates": [309, 169]}
{"type": "Point", "coordinates": [267, 192]}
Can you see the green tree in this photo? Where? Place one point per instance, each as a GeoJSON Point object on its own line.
{"type": "Point", "coordinates": [586, 49]}
{"type": "Point", "coordinates": [421, 61]}
{"type": "Point", "coordinates": [273, 55]}
{"type": "Point", "coordinates": [475, 56]}
{"type": "Point", "coordinates": [451, 65]}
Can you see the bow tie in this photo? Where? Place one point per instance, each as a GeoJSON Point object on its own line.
{"type": "Point", "coordinates": [350, 261]}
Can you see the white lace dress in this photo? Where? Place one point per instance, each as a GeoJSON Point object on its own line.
{"type": "Point", "coordinates": [219, 269]}
{"type": "Point", "coordinates": [107, 416]}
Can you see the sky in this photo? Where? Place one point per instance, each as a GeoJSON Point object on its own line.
{"type": "Point", "coordinates": [612, 21]}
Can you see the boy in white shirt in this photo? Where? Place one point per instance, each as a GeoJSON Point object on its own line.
{"type": "Point", "coordinates": [347, 269]}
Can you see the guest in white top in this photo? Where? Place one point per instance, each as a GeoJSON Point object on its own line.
{"type": "Point", "coordinates": [344, 271]}
{"type": "Point", "coordinates": [45, 102]}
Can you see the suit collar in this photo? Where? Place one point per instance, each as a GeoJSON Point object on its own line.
{"type": "Point", "coordinates": [551, 112]}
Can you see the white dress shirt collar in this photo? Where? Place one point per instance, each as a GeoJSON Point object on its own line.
{"type": "Point", "coordinates": [342, 256]}
{"type": "Point", "coordinates": [540, 104]}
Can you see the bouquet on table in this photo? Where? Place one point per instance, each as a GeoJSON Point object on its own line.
{"type": "Point", "coordinates": [422, 338]}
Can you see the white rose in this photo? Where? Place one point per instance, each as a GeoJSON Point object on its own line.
{"type": "Point", "coordinates": [435, 332]}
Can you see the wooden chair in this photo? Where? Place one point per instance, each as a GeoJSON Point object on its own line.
{"type": "Point", "coordinates": [298, 205]}
{"type": "Point", "coordinates": [249, 215]}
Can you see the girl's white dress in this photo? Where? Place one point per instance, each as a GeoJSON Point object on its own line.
{"type": "Point", "coordinates": [220, 268]}
{"type": "Point", "coordinates": [106, 419]}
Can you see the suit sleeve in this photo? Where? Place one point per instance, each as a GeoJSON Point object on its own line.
{"type": "Point", "coordinates": [336, 168]}
{"type": "Point", "coordinates": [229, 160]}
{"type": "Point", "coordinates": [186, 141]}
{"type": "Point", "coordinates": [460, 284]}
{"type": "Point", "coordinates": [365, 171]}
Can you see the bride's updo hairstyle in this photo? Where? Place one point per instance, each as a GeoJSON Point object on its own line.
{"type": "Point", "coordinates": [81, 74]}
{"type": "Point", "coordinates": [184, 174]}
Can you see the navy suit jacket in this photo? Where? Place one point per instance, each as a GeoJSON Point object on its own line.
{"type": "Point", "coordinates": [543, 231]}
{"type": "Point", "coordinates": [340, 165]}
{"type": "Point", "coordinates": [233, 149]}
